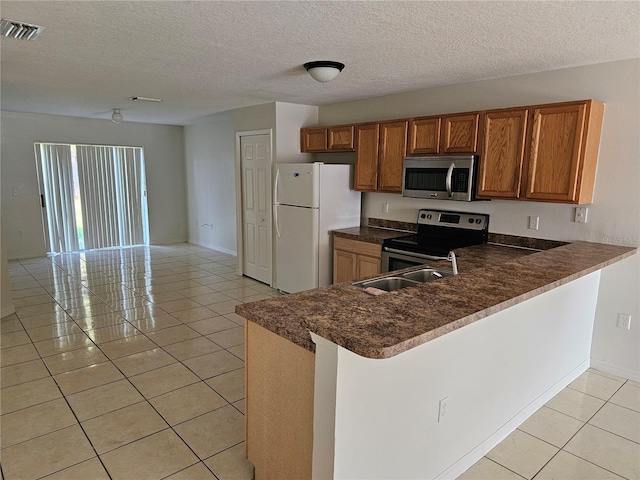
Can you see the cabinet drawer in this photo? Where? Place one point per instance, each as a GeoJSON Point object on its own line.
{"type": "Point", "coordinates": [356, 246]}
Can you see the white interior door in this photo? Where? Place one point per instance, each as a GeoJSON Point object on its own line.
{"type": "Point", "coordinates": [255, 159]}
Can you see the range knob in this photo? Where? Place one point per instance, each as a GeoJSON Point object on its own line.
{"type": "Point", "coordinates": [422, 215]}
{"type": "Point", "coordinates": [429, 216]}
{"type": "Point", "coordinates": [478, 221]}
{"type": "Point", "coordinates": [471, 220]}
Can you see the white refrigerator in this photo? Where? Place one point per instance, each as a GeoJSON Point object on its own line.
{"type": "Point", "coordinates": [310, 200]}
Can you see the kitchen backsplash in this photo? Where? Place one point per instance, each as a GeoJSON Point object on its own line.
{"type": "Point", "coordinates": [392, 224]}
{"type": "Point", "coordinates": [514, 240]}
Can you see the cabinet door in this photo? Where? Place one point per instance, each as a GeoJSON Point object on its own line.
{"type": "Point", "coordinates": [424, 136]}
{"type": "Point", "coordinates": [368, 266]}
{"type": "Point", "coordinates": [344, 266]}
{"type": "Point", "coordinates": [366, 170]}
{"type": "Point", "coordinates": [503, 140]}
{"type": "Point", "coordinates": [340, 138]}
{"type": "Point", "coordinates": [313, 140]}
{"type": "Point", "coordinates": [393, 149]}
{"type": "Point", "coordinates": [554, 155]}
{"type": "Point", "coordinates": [460, 133]}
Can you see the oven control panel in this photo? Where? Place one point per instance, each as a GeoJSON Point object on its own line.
{"type": "Point", "coordinates": [442, 218]}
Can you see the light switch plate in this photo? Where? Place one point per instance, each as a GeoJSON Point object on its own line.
{"type": "Point", "coordinates": [534, 223]}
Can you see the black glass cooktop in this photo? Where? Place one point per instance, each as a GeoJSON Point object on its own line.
{"type": "Point", "coordinates": [439, 232]}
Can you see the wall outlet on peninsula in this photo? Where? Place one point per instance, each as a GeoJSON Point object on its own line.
{"type": "Point", "coordinates": [624, 321]}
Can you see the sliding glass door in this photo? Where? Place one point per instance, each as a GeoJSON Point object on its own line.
{"type": "Point", "coordinates": [93, 196]}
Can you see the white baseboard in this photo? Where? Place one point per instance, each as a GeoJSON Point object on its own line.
{"type": "Point", "coordinates": [458, 468]}
{"type": "Point", "coordinates": [615, 370]}
{"type": "Point", "coordinates": [213, 247]}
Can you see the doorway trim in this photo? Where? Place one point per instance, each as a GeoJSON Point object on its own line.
{"type": "Point", "coordinates": [239, 219]}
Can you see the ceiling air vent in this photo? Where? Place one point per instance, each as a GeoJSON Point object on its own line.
{"type": "Point", "coordinates": [19, 30]}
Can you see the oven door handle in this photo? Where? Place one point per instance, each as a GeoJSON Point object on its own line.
{"type": "Point", "coordinates": [448, 179]}
{"type": "Point", "coordinates": [412, 254]}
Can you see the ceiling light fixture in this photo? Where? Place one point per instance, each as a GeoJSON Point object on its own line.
{"type": "Point", "coordinates": [19, 30]}
{"type": "Point", "coordinates": [116, 116]}
{"type": "Point", "coordinates": [324, 70]}
{"type": "Point", "coordinates": [145, 99]}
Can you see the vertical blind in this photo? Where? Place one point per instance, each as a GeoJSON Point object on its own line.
{"type": "Point", "coordinates": [57, 183]}
{"type": "Point", "coordinates": [111, 196]}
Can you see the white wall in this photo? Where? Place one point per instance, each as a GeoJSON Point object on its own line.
{"type": "Point", "coordinates": [290, 118]}
{"type": "Point", "coordinates": [614, 216]}
{"type": "Point", "coordinates": [6, 299]}
{"type": "Point", "coordinates": [164, 159]}
{"type": "Point", "coordinates": [211, 173]}
{"type": "Point", "coordinates": [616, 350]}
{"type": "Point", "coordinates": [380, 417]}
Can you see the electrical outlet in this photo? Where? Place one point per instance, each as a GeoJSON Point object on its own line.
{"type": "Point", "coordinates": [442, 409]}
{"type": "Point", "coordinates": [624, 321]}
{"type": "Point", "coordinates": [15, 192]}
{"type": "Point", "coordinates": [581, 215]}
{"type": "Point", "coordinates": [534, 222]}
{"type": "Point", "coordinates": [385, 208]}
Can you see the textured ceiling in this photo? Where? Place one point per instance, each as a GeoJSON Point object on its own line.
{"type": "Point", "coordinates": [204, 57]}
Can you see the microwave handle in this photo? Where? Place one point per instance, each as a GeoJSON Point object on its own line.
{"type": "Point", "coordinates": [448, 179]}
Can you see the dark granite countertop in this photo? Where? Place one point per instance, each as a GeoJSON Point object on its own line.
{"type": "Point", "coordinates": [369, 234]}
{"type": "Point", "coordinates": [492, 278]}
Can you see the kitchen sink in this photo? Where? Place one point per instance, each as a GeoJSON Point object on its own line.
{"type": "Point", "coordinates": [393, 282]}
{"type": "Point", "coordinates": [387, 284]}
{"type": "Point", "coordinates": [427, 274]}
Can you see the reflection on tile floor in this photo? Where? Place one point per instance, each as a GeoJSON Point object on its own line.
{"type": "Point", "coordinates": [129, 364]}
{"type": "Point", "coordinates": [125, 364]}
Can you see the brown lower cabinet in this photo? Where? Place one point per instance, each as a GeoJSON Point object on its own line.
{"type": "Point", "coordinates": [279, 380]}
{"type": "Point", "coordinates": [354, 260]}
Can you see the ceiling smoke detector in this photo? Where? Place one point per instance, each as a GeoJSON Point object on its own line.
{"type": "Point", "coordinates": [19, 30]}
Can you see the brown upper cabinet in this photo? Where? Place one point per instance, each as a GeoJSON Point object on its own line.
{"type": "Point", "coordinates": [545, 153]}
{"type": "Point", "coordinates": [542, 153]}
{"type": "Point", "coordinates": [340, 138]}
{"type": "Point", "coordinates": [502, 153]}
{"type": "Point", "coordinates": [313, 139]}
{"type": "Point", "coordinates": [444, 134]}
{"type": "Point", "coordinates": [380, 148]}
{"type": "Point", "coordinates": [459, 133]}
{"type": "Point", "coordinates": [424, 136]}
{"type": "Point", "coordinates": [563, 151]}
{"type": "Point", "coordinates": [337, 138]}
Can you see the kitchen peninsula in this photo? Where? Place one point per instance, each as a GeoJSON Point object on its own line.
{"type": "Point", "coordinates": [341, 384]}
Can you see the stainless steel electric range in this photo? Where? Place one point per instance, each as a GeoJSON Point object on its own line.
{"type": "Point", "coordinates": [439, 233]}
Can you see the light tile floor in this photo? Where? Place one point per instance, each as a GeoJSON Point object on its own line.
{"type": "Point", "coordinates": [129, 364]}
{"type": "Point", "coordinates": [125, 364]}
{"type": "Point", "coordinates": [589, 431]}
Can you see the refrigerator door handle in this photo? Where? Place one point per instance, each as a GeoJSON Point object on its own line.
{"type": "Point", "coordinates": [275, 189]}
{"type": "Point", "coordinates": [275, 219]}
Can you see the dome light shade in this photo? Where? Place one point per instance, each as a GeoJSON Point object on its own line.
{"type": "Point", "coordinates": [116, 117]}
{"type": "Point", "coordinates": [324, 70]}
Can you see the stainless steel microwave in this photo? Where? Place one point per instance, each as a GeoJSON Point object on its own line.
{"type": "Point", "coordinates": [441, 178]}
